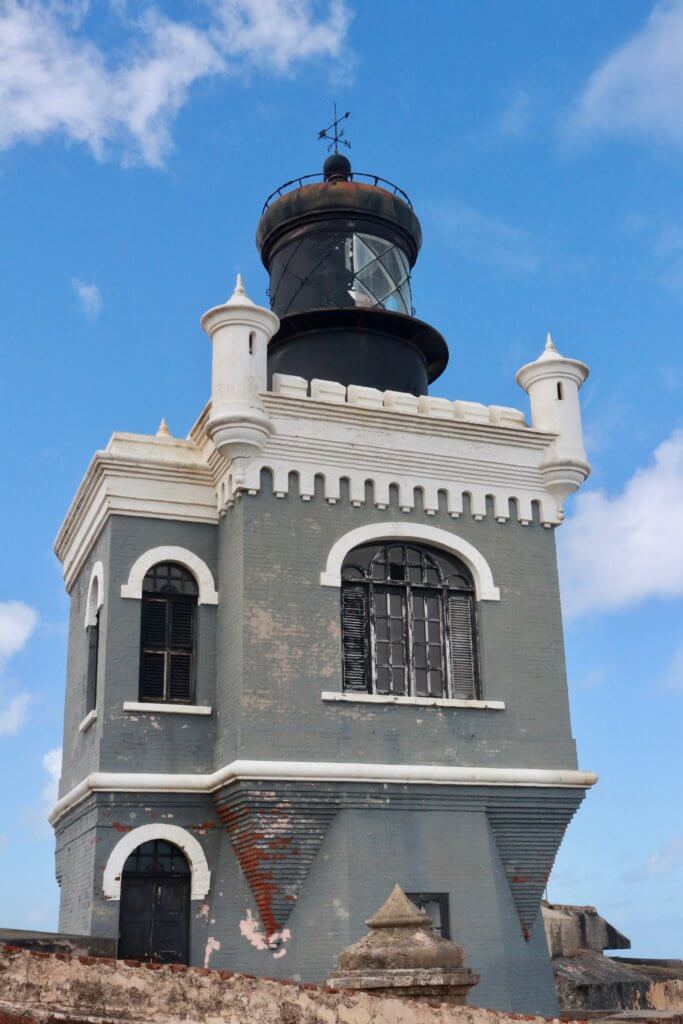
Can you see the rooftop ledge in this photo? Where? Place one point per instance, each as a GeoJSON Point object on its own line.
{"type": "Point", "coordinates": [335, 393]}
{"type": "Point", "coordinates": [421, 702]}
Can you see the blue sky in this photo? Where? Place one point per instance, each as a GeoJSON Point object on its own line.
{"type": "Point", "coordinates": [541, 144]}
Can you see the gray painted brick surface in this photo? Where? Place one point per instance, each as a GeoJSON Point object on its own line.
{"type": "Point", "coordinates": [364, 852]}
{"type": "Point", "coordinates": [264, 656]}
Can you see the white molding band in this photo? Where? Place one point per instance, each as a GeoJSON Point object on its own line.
{"type": "Point", "coordinates": [171, 553]}
{"type": "Point", "coordinates": [185, 841]}
{"type": "Point", "coordinates": [475, 561]}
{"type": "Point", "coordinates": [421, 702]}
{"type": "Point", "coordinates": [88, 720]}
{"type": "Point", "coordinates": [166, 709]}
{"type": "Point", "coordinates": [93, 605]}
{"type": "Point", "coordinates": [318, 771]}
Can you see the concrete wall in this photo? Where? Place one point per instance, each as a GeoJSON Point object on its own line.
{"type": "Point", "coordinates": [424, 840]}
{"type": "Point", "coordinates": [264, 656]}
{"type": "Point", "coordinates": [41, 987]}
{"type": "Point", "coordinates": [276, 633]}
{"type": "Point", "coordinates": [291, 646]}
{"type": "Point", "coordinates": [80, 750]}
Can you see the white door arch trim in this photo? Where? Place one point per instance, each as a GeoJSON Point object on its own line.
{"type": "Point", "coordinates": [485, 587]}
{"type": "Point", "coordinates": [180, 837]}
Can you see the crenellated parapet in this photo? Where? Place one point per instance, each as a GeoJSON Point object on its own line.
{"type": "Point", "coordinates": [380, 447]}
{"type": "Point", "coordinates": [344, 443]}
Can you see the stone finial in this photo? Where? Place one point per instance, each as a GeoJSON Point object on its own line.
{"type": "Point", "coordinates": [239, 296]}
{"type": "Point", "coordinates": [549, 343]}
{"type": "Point", "coordinates": [163, 430]}
{"type": "Point", "coordinates": [402, 955]}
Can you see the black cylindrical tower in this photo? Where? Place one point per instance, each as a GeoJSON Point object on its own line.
{"type": "Point", "coordinates": [339, 252]}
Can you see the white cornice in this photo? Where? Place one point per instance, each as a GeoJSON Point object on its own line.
{"type": "Point", "coordinates": [318, 771]}
{"type": "Point", "coordinates": [460, 450]}
{"type": "Point", "coordinates": [140, 476]}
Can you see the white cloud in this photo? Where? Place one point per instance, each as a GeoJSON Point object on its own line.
{"type": "Point", "coordinates": [515, 119]}
{"type": "Point", "coordinates": [89, 297]}
{"type": "Point", "coordinates": [56, 80]}
{"type": "Point", "coordinates": [673, 678]}
{"type": "Point", "coordinates": [483, 239]}
{"type": "Point", "coordinates": [616, 551]}
{"type": "Point", "coordinates": [17, 622]}
{"type": "Point", "coordinates": [14, 715]}
{"type": "Point", "coordinates": [590, 680]}
{"type": "Point", "coordinates": [667, 859]}
{"type": "Point", "coordinates": [52, 763]}
{"type": "Point", "coordinates": [638, 90]}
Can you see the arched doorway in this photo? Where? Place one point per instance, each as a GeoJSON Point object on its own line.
{"type": "Point", "coordinates": [154, 921]}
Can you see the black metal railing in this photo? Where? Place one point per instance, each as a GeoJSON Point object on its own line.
{"type": "Point", "coordinates": [309, 179]}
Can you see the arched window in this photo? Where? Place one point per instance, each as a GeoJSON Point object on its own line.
{"type": "Point", "coordinates": [155, 904]}
{"type": "Point", "coordinates": [169, 602]}
{"type": "Point", "coordinates": [93, 632]}
{"type": "Point", "coordinates": [93, 608]}
{"type": "Point", "coordinates": [408, 623]}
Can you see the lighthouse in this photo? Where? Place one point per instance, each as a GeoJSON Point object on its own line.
{"type": "Point", "coordinates": [315, 647]}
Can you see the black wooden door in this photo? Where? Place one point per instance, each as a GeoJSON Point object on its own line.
{"type": "Point", "coordinates": [154, 919]}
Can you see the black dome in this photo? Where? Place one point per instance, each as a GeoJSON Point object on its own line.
{"type": "Point", "coordinates": [337, 168]}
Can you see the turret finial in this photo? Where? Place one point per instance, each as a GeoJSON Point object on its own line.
{"type": "Point", "coordinates": [163, 430]}
{"type": "Point", "coordinates": [549, 343]}
{"type": "Point", "coordinates": [239, 296]}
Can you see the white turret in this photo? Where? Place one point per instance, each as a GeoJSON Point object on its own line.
{"type": "Point", "coordinates": [240, 331]}
{"type": "Point", "coordinates": [552, 383]}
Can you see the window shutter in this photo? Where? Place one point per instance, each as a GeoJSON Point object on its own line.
{"type": "Point", "coordinates": [154, 623]}
{"type": "Point", "coordinates": [152, 676]}
{"type": "Point", "coordinates": [179, 677]}
{"type": "Point", "coordinates": [463, 659]}
{"type": "Point", "coordinates": [355, 647]}
{"type": "Point", "coordinates": [91, 679]}
{"type": "Point", "coordinates": [181, 624]}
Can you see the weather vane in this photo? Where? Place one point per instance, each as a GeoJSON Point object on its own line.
{"type": "Point", "coordinates": [338, 134]}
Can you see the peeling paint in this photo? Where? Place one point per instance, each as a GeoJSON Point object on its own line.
{"type": "Point", "coordinates": [339, 910]}
{"type": "Point", "coordinates": [252, 930]}
{"type": "Point", "coordinates": [203, 911]}
{"type": "Point", "coordinates": [212, 945]}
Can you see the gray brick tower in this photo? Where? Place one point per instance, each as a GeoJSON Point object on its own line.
{"type": "Point", "coordinates": [315, 648]}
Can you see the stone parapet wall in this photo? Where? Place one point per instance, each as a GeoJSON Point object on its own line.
{"type": "Point", "coordinates": [49, 987]}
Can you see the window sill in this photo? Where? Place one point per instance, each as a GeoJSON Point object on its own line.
{"type": "Point", "coordinates": [167, 709]}
{"type": "Point", "coordinates": [421, 702]}
{"type": "Point", "coordinates": [88, 720]}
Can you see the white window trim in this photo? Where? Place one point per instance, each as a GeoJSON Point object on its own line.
{"type": "Point", "coordinates": [167, 709]}
{"type": "Point", "coordinates": [170, 553]}
{"type": "Point", "coordinates": [88, 720]}
{"type": "Point", "coordinates": [92, 607]}
{"type": "Point", "coordinates": [201, 875]}
{"type": "Point", "coordinates": [484, 585]}
{"type": "Point", "coordinates": [423, 702]}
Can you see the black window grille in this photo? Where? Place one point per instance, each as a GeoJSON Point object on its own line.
{"type": "Point", "coordinates": [158, 857]}
{"type": "Point", "coordinates": [336, 268]}
{"type": "Point", "coordinates": [169, 602]}
{"type": "Point", "coordinates": [409, 624]}
{"type": "Point", "coordinates": [435, 906]}
{"type": "Point", "coordinates": [93, 634]}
